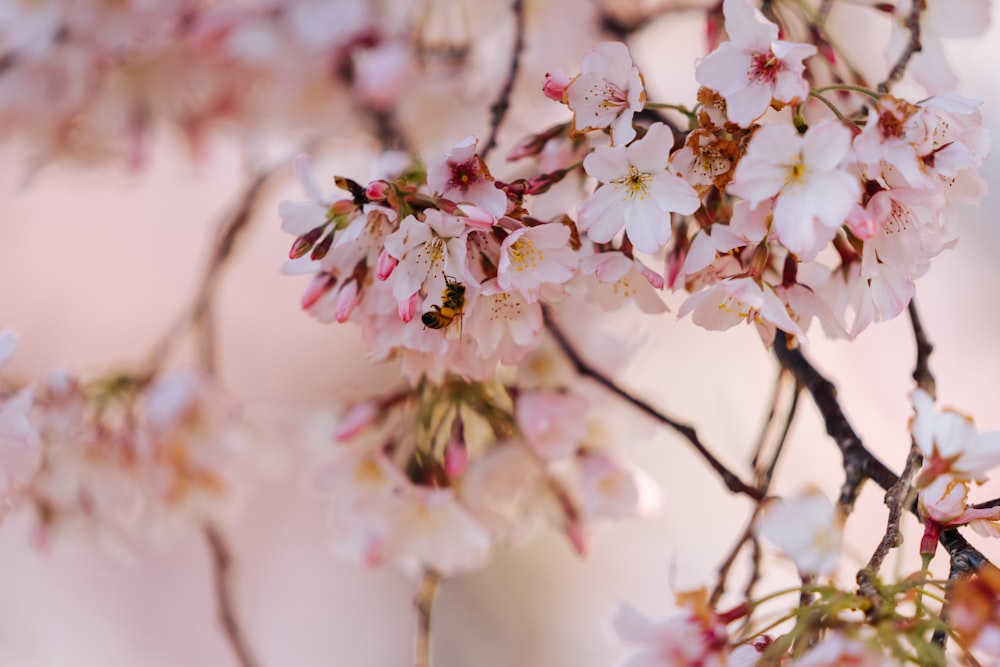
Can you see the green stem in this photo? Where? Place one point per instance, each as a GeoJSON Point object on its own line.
{"type": "Point", "coordinates": [829, 104]}
{"type": "Point", "coordinates": [848, 87]}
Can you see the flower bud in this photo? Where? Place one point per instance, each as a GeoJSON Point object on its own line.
{"type": "Point", "coordinates": [323, 247]}
{"type": "Point", "coordinates": [386, 263]}
{"type": "Point", "coordinates": [408, 308]}
{"type": "Point", "coordinates": [321, 283]}
{"type": "Point", "coordinates": [555, 84]}
{"type": "Point", "coordinates": [305, 243]}
{"type": "Point", "coordinates": [347, 299]}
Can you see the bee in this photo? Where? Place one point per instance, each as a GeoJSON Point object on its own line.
{"type": "Point", "coordinates": [452, 302]}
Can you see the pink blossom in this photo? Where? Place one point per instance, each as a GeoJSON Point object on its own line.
{"type": "Point", "coordinates": [607, 92]}
{"type": "Point", "coordinates": [754, 67]}
{"type": "Point", "coordinates": [638, 192]}
{"type": "Point", "coordinates": [428, 251]}
{"type": "Point", "coordinates": [807, 528]}
{"type": "Point", "coordinates": [463, 177]}
{"type": "Point", "coordinates": [729, 302]}
{"type": "Point", "coordinates": [552, 423]}
{"type": "Point", "coordinates": [531, 257]}
{"type": "Point", "coordinates": [687, 639]}
{"type": "Point", "coordinates": [836, 650]}
{"type": "Point", "coordinates": [813, 194]}
{"type": "Point", "coordinates": [20, 442]}
{"type": "Point", "coordinates": [950, 443]}
{"type": "Point", "coordinates": [554, 86]}
{"type": "Point", "coordinates": [621, 279]}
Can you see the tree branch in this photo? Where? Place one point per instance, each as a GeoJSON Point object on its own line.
{"type": "Point", "coordinates": [499, 108]}
{"type": "Point", "coordinates": [922, 373]}
{"type": "Point", "coordinates": [221, 564]}
{"type": "Point", "coordinates": [424, 603]}
{"type": "Point", "coordinates": [729, 478]}
{"type": "Point", "coordinates": [912, 24]}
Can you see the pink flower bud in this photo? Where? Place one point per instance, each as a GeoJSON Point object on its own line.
{"type": "Point", "coordinates": [305, 243]}
{"type": "Point", "coordinates": [555, 84]}
{"type": "Point", "coordinates": [347, 299]}
{"type": "Point", "coordinates": [861, 223]}
{"type": "Point", "coordinates": [321, 283]}
{"type": "Point", "coordinates": [386, 263]}
{"type": "Point", "coordinates": [476, 216]}
{"type": "Point", "coordinates": [929, 540]}
{"type": "Point", "coordinates": [651, 276]}
{"type": "Point", "coordinates": [377, 190]}
{"type": "Point", "coordinates": [408, 308]}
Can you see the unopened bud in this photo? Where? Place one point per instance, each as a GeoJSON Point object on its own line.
{"type": "Point", "coordinates": [347, 299]}
{"type": "Point", "coordinates": [408, 307]}
{"type": "Point", "coordinates": [377, 191]}
{"type": "Point", "coordinates": [305, 243]}
{"type": "Point", "coordinates": [321, 283]}
{"type": "Point", "coordinates": [476, 216]}
{"type": "Point", "coordinates": [323, 247]}
{"type": "Point", "coordinates": [929, 541]}
{"type": "Point", "coordinates": [555, 84]}
{"type": "Point", "coordinates": [386, 263]}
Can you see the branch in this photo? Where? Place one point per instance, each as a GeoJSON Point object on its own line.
{"type": "Point", "coordinates": [732, 482]}
{"type": "Point", "coordinates": [424, 602]}
{"type": "Point", "coordinates": [221, 562]}
{"type": "Point", "coordinates": [230, 232]}
{"type": "Point", "coordinates": [499, 108]}
{"type": "Point", "coordinates": [912, 23]}
{"type": "Point", "coordinates": [857, 458]}
{"type": "Point", "coordinates": [922, 373]}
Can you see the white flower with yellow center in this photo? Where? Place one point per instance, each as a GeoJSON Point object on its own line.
{"type": "Point", "coordinates": [638, 192]}
{"type": "Point", "coordinates": [533, 256]}
{"type": "Point", "coordinates": [813, 193]}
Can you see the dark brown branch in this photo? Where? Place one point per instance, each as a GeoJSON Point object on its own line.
{"type": "Point", "coordinates": [221, 571]}
{"type": "Point", "coordinates": [424, 603]}
{"type": "Point", "coordinates": [499, 108]}
{"type": "Point", "coordinates": [912, 23]}
{"type": "Point", "coordinates": [730, 479]}
{"type": "Point", "coordinates": [857, 459]}
{"type": "Point", "coordinates": [898, 498]}
{"type": "Point", "coordinates": [922, 372]}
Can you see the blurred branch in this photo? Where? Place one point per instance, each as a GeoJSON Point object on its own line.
{"type": "Point", "coordinates": [764, 475]}
{"type": "Point", "coordinates": [729, 478]}
{"type": "Point", "coordinates": [231, 229]}
{"type": "Point", "coordinates": [221, 570]}
{"type": "Point", "coordinates": [499, 108]}
{"type": "Point", "coordinates": [424, 603]}
{"type": "Point", "coordinates": [912, 23]}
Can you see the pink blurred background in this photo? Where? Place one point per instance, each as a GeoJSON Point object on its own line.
{"type": "Point", "coordinates": [95, 263]}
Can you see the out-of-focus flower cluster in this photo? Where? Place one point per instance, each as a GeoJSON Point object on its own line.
{"type": "Point", "coordinates": [119, 456]}
{"type": "Point", "coordinates": [93, 78]}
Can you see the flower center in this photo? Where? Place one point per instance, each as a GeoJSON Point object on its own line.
{"type": "Point", "coordinates": [463, 174]}
{"type": "Point", "coordinates": [523, 254]}
{"type": "Point", "coordinates": [636, 184]}
{"type": "Point", "coordinates": [764, 67]}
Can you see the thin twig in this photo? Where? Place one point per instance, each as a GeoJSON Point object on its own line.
{"type": "Point", "coordinates": [499, 108]}
{"type": "Point", "coordinates": [231, 230]}
{"type": "Point", "coordinates": [424, 603]}
{"type": "Point", "coordinates": [764, 476]}
{"type": "Point", "coordinates": [221, 570]}
{"type": "Point", "coordinates": [912, 23]}
{"type": "Point", "coordinates": [898, 498]}
{"type": "Point", "coordinates": [922, 372]}
{"type": "Point", "coordinates": [729, 478]}
{"type": "Point", "coordinates": [856, 456]}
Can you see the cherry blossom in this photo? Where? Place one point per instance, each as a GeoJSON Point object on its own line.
{"type": "Point", "coordinates": [950, 443]}
{"type": "Point", "coordinates": [463, 177]}
{"type": "Point", "coordinates": [20, 443]}
{"type": "Point", "coordinates": [607, 92]}
{"type": "Point", "coordinates": [638, 192]}
{"type": "Point", "coordinates": [807, 528]}
{"type": "Point", "coordinates": [754, 67]}
{"type": "Point", "coordinates": [813, 195]}
{"type": "Point", "coordinates": [729, 302]}
{"type": "Point", "coordinates": [531, 257]}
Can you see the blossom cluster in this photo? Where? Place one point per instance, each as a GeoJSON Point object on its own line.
{"type": "Point", "coordinates": [119, 456]}
{"type": "Point", "coordinates": [94, 79]}
{"type": "Point", "coordinates": [436, 477]}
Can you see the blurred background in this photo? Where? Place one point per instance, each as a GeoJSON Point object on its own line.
{"type": "Point", "coordinates": [103, 241]}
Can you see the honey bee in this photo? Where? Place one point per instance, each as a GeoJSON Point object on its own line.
{"type": "Point", "coordinates": [452, 302]}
